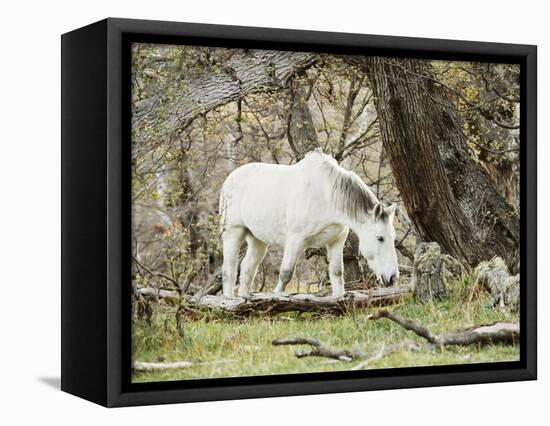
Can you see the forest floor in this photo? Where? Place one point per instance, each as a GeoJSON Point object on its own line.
{"type": "Point", "coordinates": [246, 343]}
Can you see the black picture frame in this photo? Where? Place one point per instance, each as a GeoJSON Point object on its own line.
{"type": "Point", "coordinates": [96, 212]}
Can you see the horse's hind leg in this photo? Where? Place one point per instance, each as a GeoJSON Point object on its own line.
{"type": "Point", "coordinates": [293, 249]}
{"type": "Point", "coordinates": [336, 263]}
{"type": "Point", "coordinates": [232, 239]}
{"type": "Point", "coordinates": [255, 253]}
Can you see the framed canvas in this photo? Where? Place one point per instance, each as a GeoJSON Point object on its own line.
{"type": "Point", "coordinates": [255, 212]}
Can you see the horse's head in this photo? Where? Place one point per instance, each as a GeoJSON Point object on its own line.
{"type": "Point", "coordinates": [376, 243]}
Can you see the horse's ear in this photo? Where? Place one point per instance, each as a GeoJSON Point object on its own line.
{"type": "Point", "coordinates": [390, 211]}
{"type": "Point", "coordinates": [378, 211]}
{"type": "Point", "coordinates": [384, 213]}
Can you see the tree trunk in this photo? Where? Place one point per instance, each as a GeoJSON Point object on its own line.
{"type": "Point", "coordinates": [301, 133]}
{"type": "Point", "coordinates": [449, 197]}
{"type": "Point", "coordinates": [353, 270]}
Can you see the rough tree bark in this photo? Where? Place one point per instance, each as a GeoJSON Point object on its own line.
{"type": "Point", "coordinates": [427, 279]}
{"type": "Point", "coordinates": [301, 133]}
{"type": "Point", "coordinates": [241, 75]}
{"type": "Point", "coordinates": [449, 197]}
{"type": "Point", "coordinates": [353, 270]}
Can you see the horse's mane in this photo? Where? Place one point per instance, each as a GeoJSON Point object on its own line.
{"type": "Point", "coordinates": [351, 196]}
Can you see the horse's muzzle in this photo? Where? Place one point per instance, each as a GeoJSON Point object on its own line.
{"type": "Point", "coordinates": [389, 280]}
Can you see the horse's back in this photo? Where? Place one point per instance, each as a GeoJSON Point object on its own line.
{"type": "Point", "coordinates": [272, 200]}
{"type": "Point", "coordinates": [256, 177]}
{"type": "Point", "coordinates": [254, 195]}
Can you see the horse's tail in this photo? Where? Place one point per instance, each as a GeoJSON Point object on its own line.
{"type": "Point", "coordinates": [225, 198]}
{"type": "Point", "coordinates": [222, 206]}
{"type": "Point", "coordinates": [231, 188]}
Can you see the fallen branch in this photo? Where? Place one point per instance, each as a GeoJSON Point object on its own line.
{"type": "Point", "coordinates": [270, 303]}
{"type": "Point", "coordinates": [500, 332]}
{"type": "Point", "coordinates": [319, 349]}
{"type": "Point", "coordinates": [157, 292]}
{"type": "Point", "coordinates": [151, 366]}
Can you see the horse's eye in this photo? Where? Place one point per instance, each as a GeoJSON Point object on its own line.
{"type": "Point", "coordinates": [381, 239]}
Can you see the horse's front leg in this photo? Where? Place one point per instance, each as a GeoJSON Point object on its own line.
{"type": "Point", "coordinates": [335, 256]}
{"type": "Point", "coordinates": [293, 249]}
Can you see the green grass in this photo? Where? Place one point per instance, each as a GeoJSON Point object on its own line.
{"type": "Point", "coordinates": [247, 343]}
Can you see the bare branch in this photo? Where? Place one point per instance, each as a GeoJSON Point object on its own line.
{"type": "Point", "coordinates": [499, 332]}
{"type": "Point", "coordinates": [156, 274]}
{"type": "Point", "coordinates": [319, 349]}
{"type": "Point", "coordinates": [155, 366]}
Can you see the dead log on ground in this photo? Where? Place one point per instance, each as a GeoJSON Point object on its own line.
{"type": "Point", "coordinates": [270, 303]}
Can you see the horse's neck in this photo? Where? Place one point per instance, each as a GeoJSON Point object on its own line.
{"type": "Point", "coordinates": [318, 170]}
{"type": "Point", "coordinates": [341, 218]}
{"type": "Point", "coordinates": [338, 179]}
{"type": "Point", "coordinates": [354, 225]}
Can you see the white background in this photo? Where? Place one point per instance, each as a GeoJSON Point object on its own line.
{"type": "Point", "coordinates": [30, 211]}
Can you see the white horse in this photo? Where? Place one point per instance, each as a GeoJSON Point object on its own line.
{"type": "Point", "coordinates": [313, 203]}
